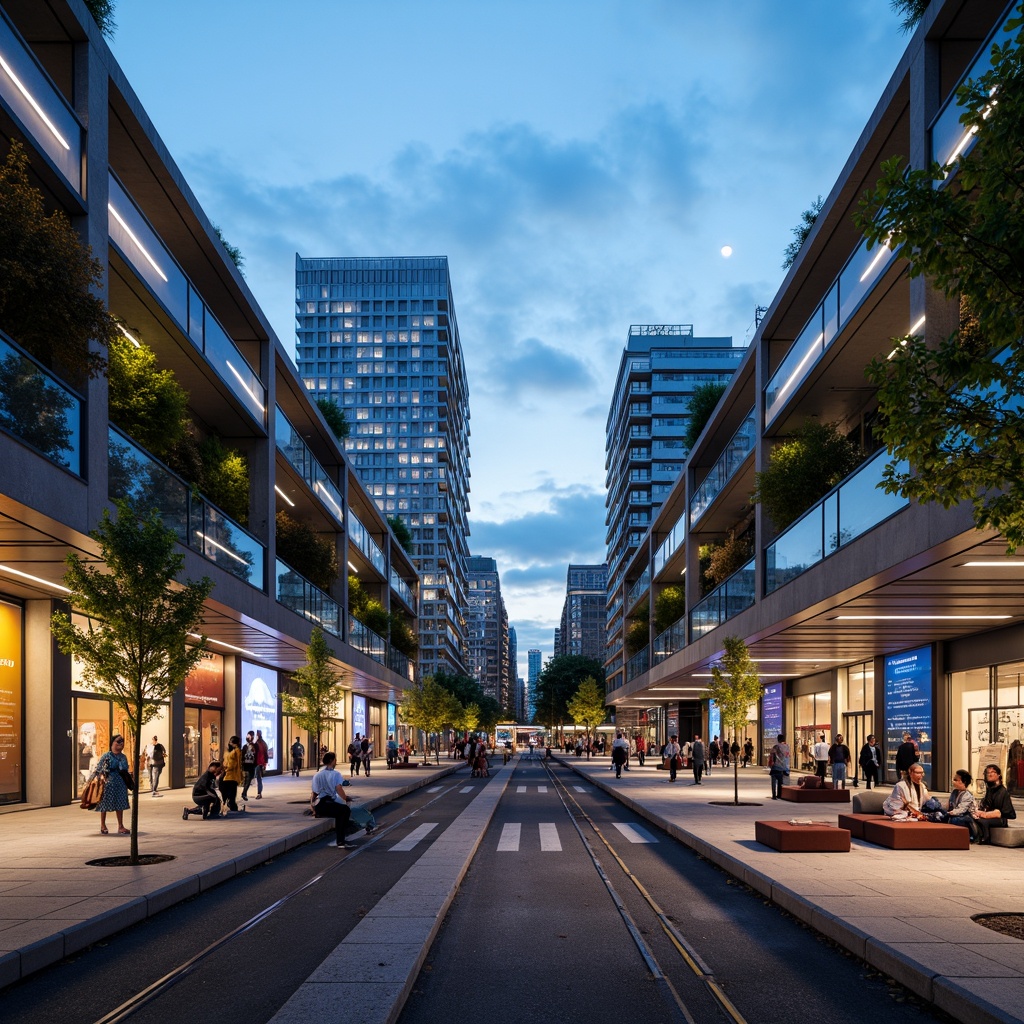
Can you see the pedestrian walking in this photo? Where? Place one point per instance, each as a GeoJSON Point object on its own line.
{"type": "Point", "coordinates": [778, 765]}
{"type": "Point", "coordinates": [156, 758]}
{"type": "Point", "coordinates": [262, 760]}
{"type": "Point", "coordinates": [392, 751]}
{"type": "Point", "coordinates": [820, 754]}
{"type": "Point", "coordinates": [748, 752]}
{"type": "Point", "coordinates": [330, 800]}
{"type": "Point", "coordinates": [113, 766]}
{"type": "Point", "coordinates": [671, 754]}
{"type": "Point", "coordinates": [839, 759]}
{"type": "Point", "coordinates": [366, 753]}
{"type": "Point", "coordinates": [620, 751]}
{"type": "Point", "coordinates": [298, 753]}
{"type": "Point", "coordinates": [248, 764]}
{"type": "Point", "coordinates": [232, 777]}
{"type": "Point", "coordinates": [697, 758]}
{"type": "Point", "coordinates": [871, 760]}
{"type": "Point", "coordinates": [355, 756]}
{"type": "Point", "coordinates": [906, 755]}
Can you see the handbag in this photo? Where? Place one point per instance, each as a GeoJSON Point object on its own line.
{"type": "Point", "coordinates": [129, 781]}
{"type": "Point", "coordinates": [93, 792]}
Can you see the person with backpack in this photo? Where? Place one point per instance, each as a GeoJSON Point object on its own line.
{"type": "Point", "coordinates": [248, 764]}
{"type": "Point", "coordinates": [355, 756]}
{"type": "Point", "coordinates": [366, 754]}
{"type": "Point", "coordinates": [778, 765]}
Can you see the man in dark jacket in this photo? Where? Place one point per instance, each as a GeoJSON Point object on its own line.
{"type": "Point", "coordinates": [906, 755]}
{"type": "Point", "coordinates": [205, 795]}
{"type": "Point", "coordinates": [871, 760]}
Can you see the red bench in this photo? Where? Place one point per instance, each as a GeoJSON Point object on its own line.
{"type": "Point", "coordinates": [802, 795]}
{"type": "Point", "coordinates": [815, 837]}
{"type": "Point", "coordinates": [916, 835]}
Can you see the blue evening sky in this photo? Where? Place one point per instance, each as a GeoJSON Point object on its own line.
{"type": "Point", "coordinates": [581, 163]}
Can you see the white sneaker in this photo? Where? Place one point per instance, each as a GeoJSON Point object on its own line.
{"type": "Point", "coordinates": [344, 846]}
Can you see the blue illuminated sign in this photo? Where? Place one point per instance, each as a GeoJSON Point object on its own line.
{"type": "Point", "coordinates": [771, 716]}
{"type": "Point", "coordinates": [359, 715]}
{"type": "Point", "coordinates": [908, 706]}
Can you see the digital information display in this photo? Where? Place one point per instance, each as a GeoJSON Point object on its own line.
{"type": "Point", "coordinates": [714, 721]}
{"type": "Point", "coordinates": [358, 715]}
{"type": "Point", "coordinates": [771, 717]}
{"type": "Point", "coordinates": [908, 706]}
{"type": "Point", "coordinates": [259, 706]}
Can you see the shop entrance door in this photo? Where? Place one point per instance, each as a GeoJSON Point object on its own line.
{"type": "Point", "coordinates": [856, 729]}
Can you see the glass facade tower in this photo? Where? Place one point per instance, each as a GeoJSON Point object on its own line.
{"type": "Point", "coordinates": [380, 337]}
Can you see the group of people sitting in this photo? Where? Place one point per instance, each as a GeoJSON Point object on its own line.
{"type": "Point", "coordinates": [910, 801]}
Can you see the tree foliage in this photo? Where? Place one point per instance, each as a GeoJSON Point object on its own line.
{"type": "Point", "coordinates": [725, 558]}
{"type": "Point", "coordinates": [587, 706]}
{"type": "Point", "coordinates": [402, 533]}
{"type": "Point", "coordinates": [912, 12]}
{"type": "Point", "coordinates": [558, 682]}
{"type": "Point", "coordinates": [669, 607]}
{"type": "Point", "coordinates": [951, 409]}
{"type": "Point", "coordinates": [308, 553]}
{"type": "Point", "coordinates": [103, 13]}
{"type": "Point", "coordinates": [234, 253]}
{"type": "Point", "coordinates": [800, 233]}
{"type": "Point", "coordinates": [702, 404]}
{"type": "Point", "coordinates": [429, 707]}
{"type": "Point", "coordinates": [734, 686]}
{"type": "Point", "coordinates": [34, 409]}
{"type": "Point", "coordinates": [140, 640]}
{"type": "Point", "coordinates": [320, 689]}
{"type": "Point", "coordinates": [47, 277]}
{"type": "Point", "coordinates": [334, 416]}
{"type": "Point", "coordinates": [804, 469]}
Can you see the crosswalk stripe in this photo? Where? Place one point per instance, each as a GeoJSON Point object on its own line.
{"type": "Point", "coordinates": [413, 838]}
{"type": "Point", "coordinates": [542, 789]}
{"type": "Point", "coordinates": [509, 841]}
{"type": "Point", "coordinates": [634, 833]}
{"type": "Point", "coordinates": [549, 841]}
{"type": "Point", "coordinates": [435, 789]}
{"type": "Point", "coordinates": [580, 789]}
{"type": "Point", "coordinates": [520, 789]}
{"type": "Point", "coordinates": [466, 789]}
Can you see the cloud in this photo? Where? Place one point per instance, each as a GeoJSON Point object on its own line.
{"type": "Point", "coordinates": [533, 366]}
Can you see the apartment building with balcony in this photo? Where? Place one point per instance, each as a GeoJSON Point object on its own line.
{"type": "Point", "coordinates": [581, 630]}
{"type": "Point", "coordinates": [94, 155]}
{"type": "Point", "coordinates": [380, 337]}
{"type": "Point", "coordinates": [869, 613]}
{"type": "Point", "coordinates": [488, 630]}
{"type": "Point", "coordinates": [644, 447]}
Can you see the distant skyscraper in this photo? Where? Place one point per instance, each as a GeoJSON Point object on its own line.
{"type": "Point", "coordinates": [582, 629]}
{"type": "Point", "coordinates": [533, 671]}
{"type": "Point", "coordinates": [660, 368]}
{"type": "Point", "coordinates": [487, 628]}
{"type": "Point", "coordinates": [380, 337]}
{"type": "Point", "coordinates": [515, 697]}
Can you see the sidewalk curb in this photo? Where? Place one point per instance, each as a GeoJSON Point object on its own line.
{"type": "Point", "coordinates": [947, 995]}
{"type": "Point", "coordinates": [19, 964]}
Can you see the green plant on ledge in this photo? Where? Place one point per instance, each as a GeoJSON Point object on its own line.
{"type": "Point", "coordinates": [309, 554]}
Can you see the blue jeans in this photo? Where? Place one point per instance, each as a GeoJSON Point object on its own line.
{"type": "Point", "coordinates": [777, 775]}
{"type": "Point", "coordinates": [154, 776]}
{"type": "Point", "coordinates": [839, 774]}
{"type": "Point", "coordinates": [260, 768]}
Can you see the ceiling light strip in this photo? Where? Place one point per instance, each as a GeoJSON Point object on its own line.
{"type": "Point", "coordinates": [32, 102]}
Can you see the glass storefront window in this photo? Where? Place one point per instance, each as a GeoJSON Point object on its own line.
{"type": "Point", "coordinates": [970, 717]}
{"type": "Point", "coordinates": [1010, 721]}
{"type": "Point", "coordinates": [92, 736]}
{"type": "Point", "coordinates": [810, 715]}
{"type": "Point", "coordinates": [202, 740]}
{"type": "Point", "coordinates": [12, 694]}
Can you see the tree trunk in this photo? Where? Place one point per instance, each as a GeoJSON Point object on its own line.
{"type": "Point", "coordinates": [735, 779]}
{"type": "Point", "coordinates": [132, 768]}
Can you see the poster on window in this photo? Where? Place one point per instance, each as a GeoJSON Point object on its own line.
{"type": "Point", "coordinates": [11, 745]}
{"type": "Point", "coordinates": [259, 706]}
{"type": "Point", "coordinates": [908, 706]}
{"type": "Point", "coordinates": [391, 719]}
{"type": "Point", "coordinates": [714, 720]}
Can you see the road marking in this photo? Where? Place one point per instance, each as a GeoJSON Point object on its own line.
{"type": "Point", "coordinates": [413, 838]}
{"type": "Point", "coordinates": [580, 789]}
{"type": "Point", "coordinates": [520, 789]}
{"type": "Point", "coordinates": [467, 789]}
{"type": "Point", "coordinates": [634, 833]}
{"type": "Point", "coordinates": [435, 789]}
{"type": "Point", "coordinates": [549, 841]}
{"type": "Point", "coordinates": [509, 841]}
{"type": "Point", "coordinates": [542, 789]}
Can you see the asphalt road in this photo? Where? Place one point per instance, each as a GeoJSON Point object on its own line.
{"type": "Point", "coordinates": [535, 928]}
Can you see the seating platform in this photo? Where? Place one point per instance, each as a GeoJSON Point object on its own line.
{"type": "Point", "coordinates": [813, 837]}
{"type": "Point", "coordinates": [800, 795]}
{"type": "Point", "coordinates": [916, 835]}
{"type": "Point", "coordinates": [1007, 836]}
{"type": "Point", "coordinates": [854, 823]}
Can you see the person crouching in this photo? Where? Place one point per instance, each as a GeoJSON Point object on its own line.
{"type": "Point", "coordinates": [205, 795]}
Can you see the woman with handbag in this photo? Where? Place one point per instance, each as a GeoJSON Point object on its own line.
{"type": "Point", "coordinates": [113, 766]}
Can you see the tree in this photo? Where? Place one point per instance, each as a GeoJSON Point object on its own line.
{"type": "Point", "coordinates": [46, 280]}
{"type": "Point", "coordinates": [587, 706]}
{"type": "Point", "coordinates": [335, 417]}
{"type": "Point", "coordinates": [800, 233]}
{"type": "Point", "coordinates": [951, 409]}
{"type": "Point", "coordinates": [402, 532]}
{"type": "Point", "coordinates": [103, 13]}
{"type": "Point", "coordinates": [669, 607]}
{"type": "Point", "coordinates": [725, 558]}
{"type": "Point", "coordinates": [234, 253]}
{"type": "Point", "coordinates": [702, 404]}
{"type": "Point", "coordinates": [558, 681]}
{"type": "Point", "coordinates": [140, 641]}
{"type": "Point", "coordinates": [225, 478]}
{"type": "Point", "coordinates": [430, 707]}
{"type": "Point", "coordinates": [638, 632]}
{"type": "Point", "coordinates": [308, 553]}
{"type": "Point", "coordinates": [912, 11]}
{"type": "Point", "coordinates": [735, 685]}
{"type": "Point", "coordinates": [320, 689]}
{"type": "Point", "coordinates": [804, 469]}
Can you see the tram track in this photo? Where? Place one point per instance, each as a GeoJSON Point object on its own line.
{"type": "Point", "coordinates": [689, 956]}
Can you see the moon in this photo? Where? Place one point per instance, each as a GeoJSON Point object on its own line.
{"type": "Point", "coordinates": [726, 251]}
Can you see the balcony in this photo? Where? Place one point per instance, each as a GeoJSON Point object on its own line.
{"type": "Point", "coordinates": [402, 589]}
{"type": "Point", "coordinates": [360, 536]}
{"type": "Point", "coordinates": [735, 595]}
{"type": "Point", "coordinates": [850, 509]}
{"type": "Point", "coordinates": [38, 410]}
{"type": "Point", "coordinates": [863, 270]}
{"type": "Point", "coordinates": [135, 474]}
{"type": "Point", "coordinates": [639, 588]}
{"type": "Point", "coordinates": [28, 93]}
{"type": "Point", "coordinates": [146, 254]}
{"type": "Point", "coordinates": [673, 639]}
{"type": "Point", "coordinates": [638, 665]}
{"type": "Point", "coordinates": [297, 594]}
{"type": "Point", "coordinates": [301, 459]}
{"type": "Point", "coordinates": [739, 447]}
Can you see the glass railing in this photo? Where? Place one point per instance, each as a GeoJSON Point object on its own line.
{"type": "Point", "coordinates": [142, 247]}
{"type": "Point", "coordinates": [852, 508]}
{"type": "Point", "coordinates": [295, 450]}
{"type": "Point", "coordinates": [638, 665]}
{"type": "Point", "coordinates": [135, 474]}
{"type": "Point", "coordinates": [400, 664]}
{"type": "Point", "coordinates": [360, 536]}
{"type": "Point", "coordinates": [641, 586]}
{"type": "Point", "coordinates": [670, 545]}
{"type": "Point", "coordinates": [296, 593]}
{"type": "Point", "coordinates": [402, 589]}
{"type": "Point", "coordinates": [362, 638]}
{"type": "Point", "coordinates": [860, 274]}
{"type": "Point", "coordinates": [735, 595]}
{"type": "Point", "coordinates": [37, 409]}
{"type": "Point", "coordinates": [31, 96]}
{"type": "Point", "coordinates": [950, 139]}
{"type": "Point", "coordinates": [739, 447]}
{"type": "Point", "coordinates": [673, 639]}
